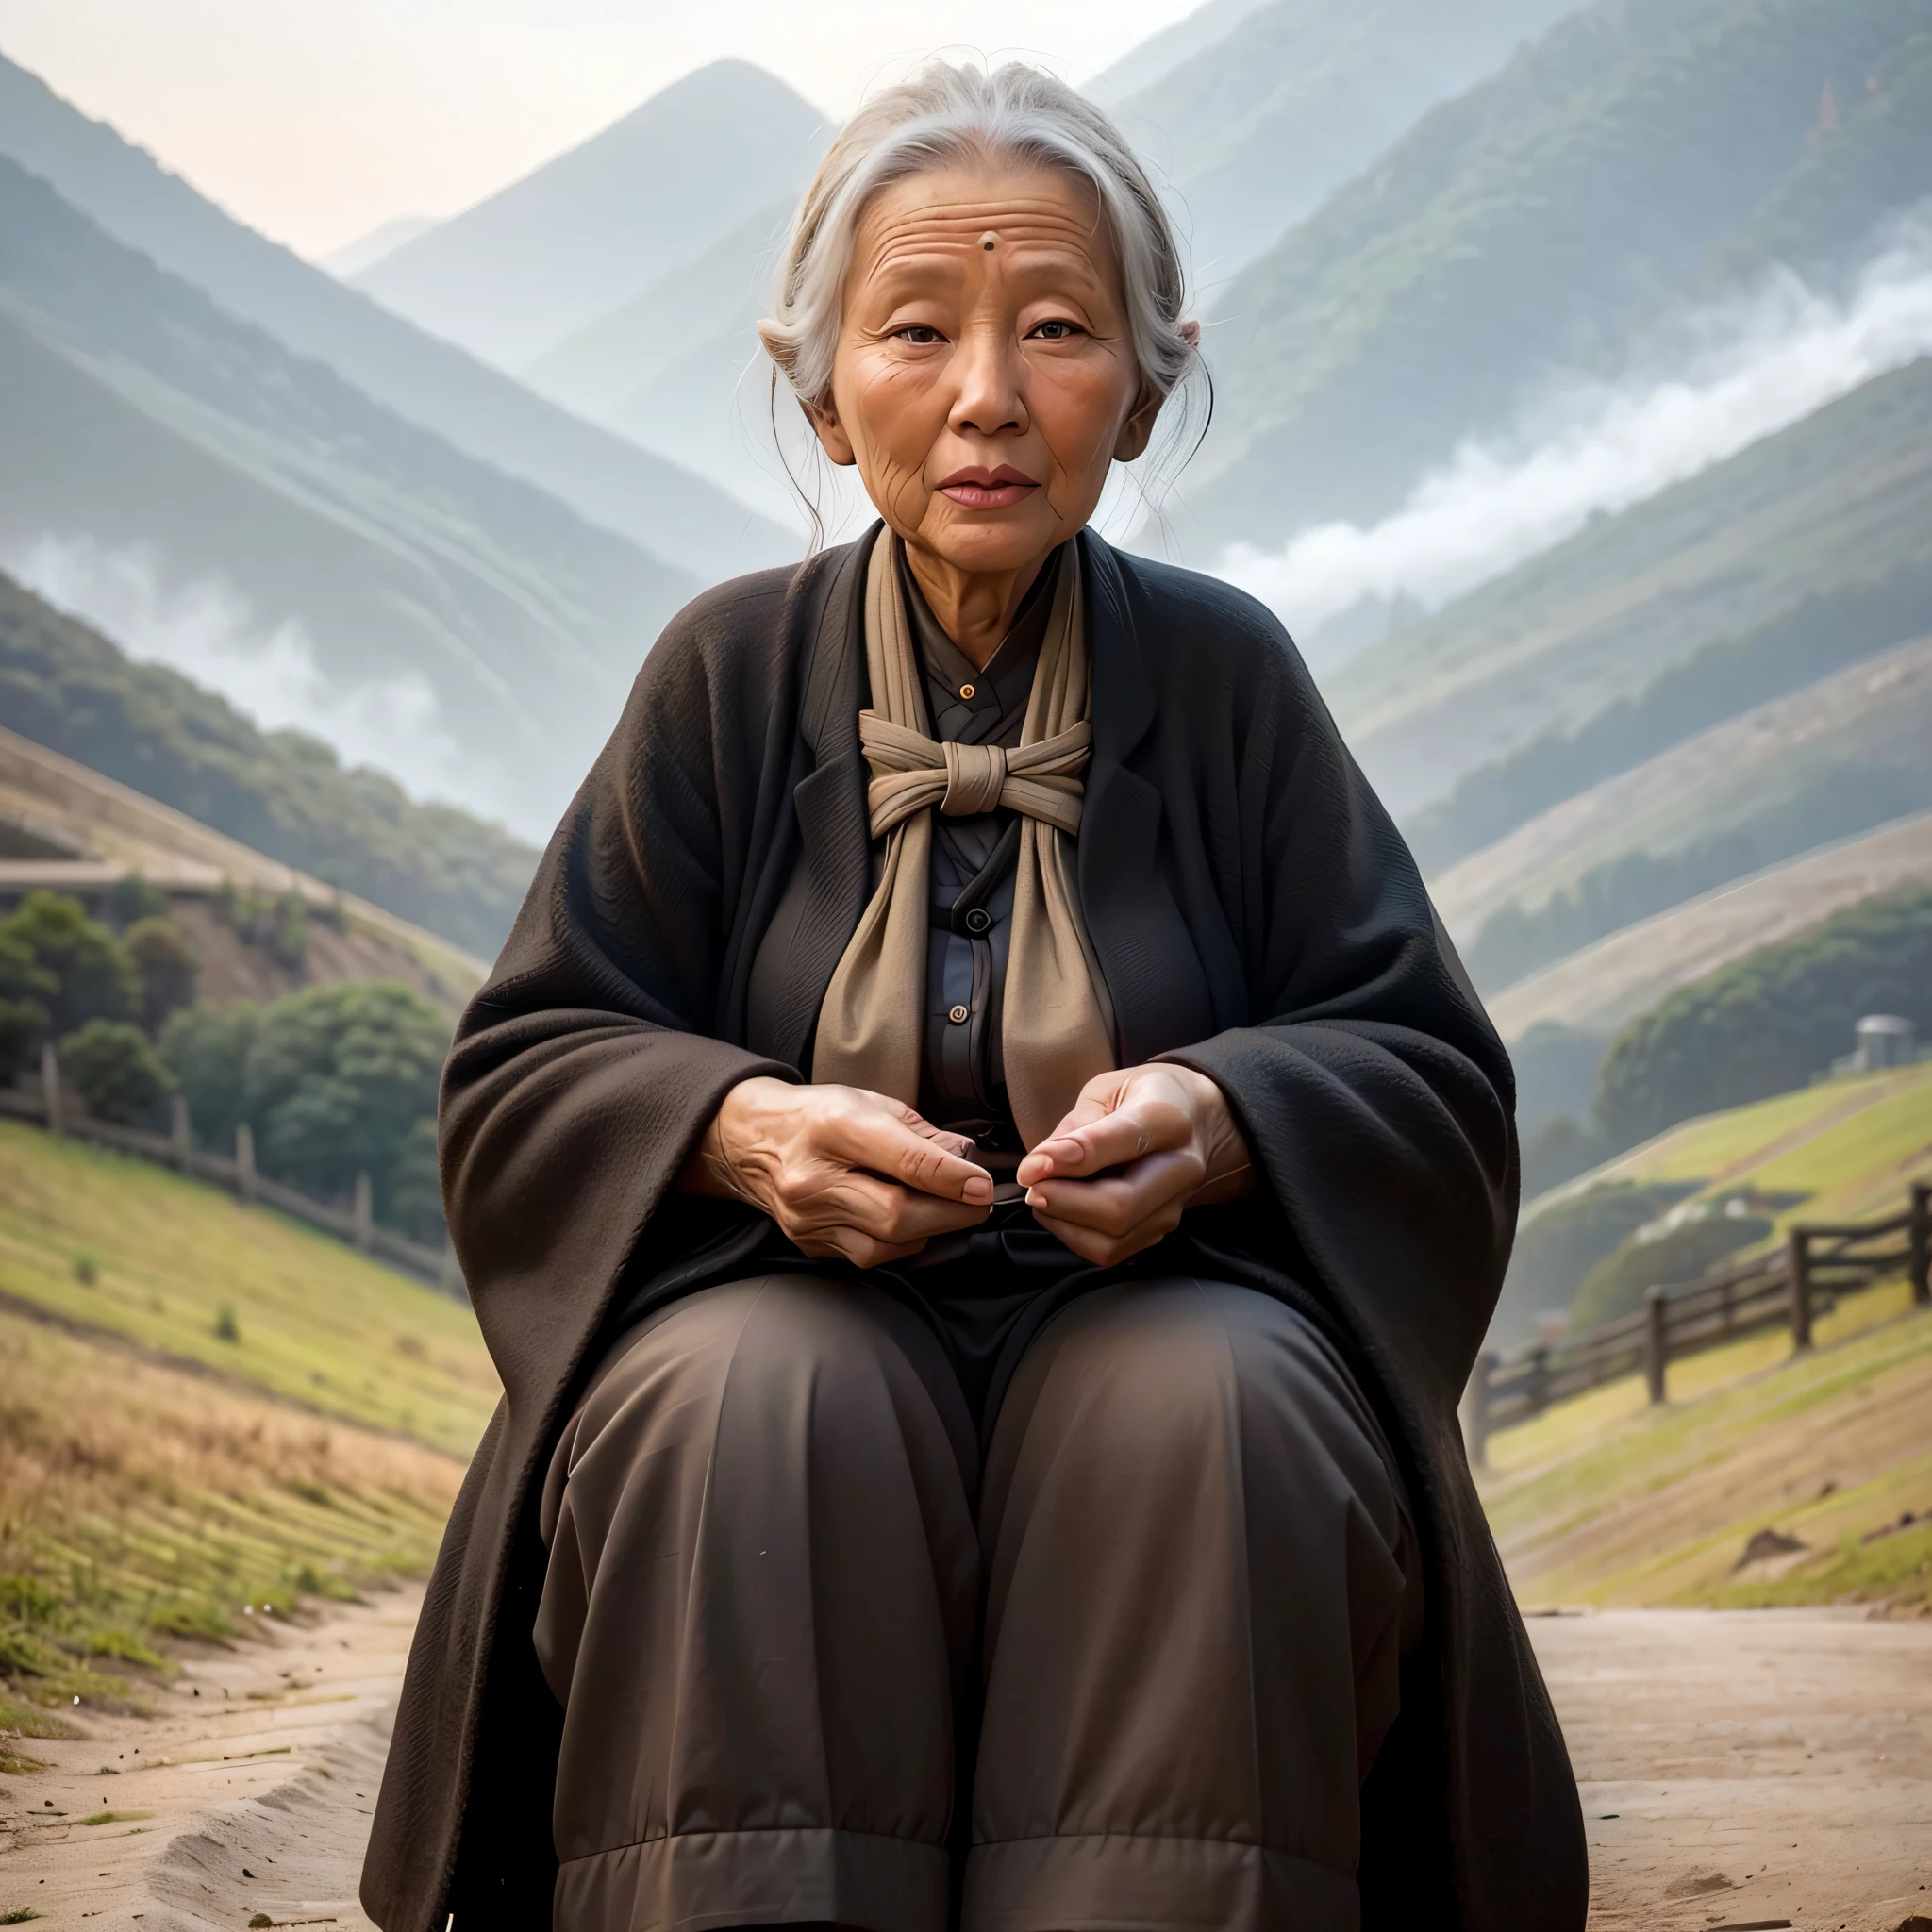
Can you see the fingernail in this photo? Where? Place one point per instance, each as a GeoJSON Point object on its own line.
{"type": "Point", "coordinates": [979, 1188]}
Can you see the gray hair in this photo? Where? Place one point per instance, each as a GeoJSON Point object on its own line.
{"type": "Point", "coordinates": [943, 116]}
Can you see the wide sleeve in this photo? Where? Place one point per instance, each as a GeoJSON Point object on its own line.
{"type": "Point", "coordinates": [1377, 1097]}
{"type": "Point", "coordinates": [586, 1069]}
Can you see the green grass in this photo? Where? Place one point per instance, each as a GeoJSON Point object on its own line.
{"type": "Point", "coordinates": [1607, 1500]}
{"type": "Point", "coordinates": [312, 1320]}
{"type": "Point", "coordinates": [160, 1482]}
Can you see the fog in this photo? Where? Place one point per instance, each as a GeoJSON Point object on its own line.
{"type": "Point", "coordinates": [207, 630]}
{"type": "Point", "coordinates": [1736, 374]}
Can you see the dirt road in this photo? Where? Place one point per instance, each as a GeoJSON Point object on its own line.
{"type": "Point", "coordinates": [1744, 1768]}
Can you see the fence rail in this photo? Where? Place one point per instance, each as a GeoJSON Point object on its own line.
{"type": "Point", "coordinates": [1790, 1286]}
{"type": "Point", "coordinates": [54, 1107]}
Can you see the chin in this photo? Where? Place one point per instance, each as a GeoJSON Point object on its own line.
{"type": "Point", "coordinates": [992, 540]}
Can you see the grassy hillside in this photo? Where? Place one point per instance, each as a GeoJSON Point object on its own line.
{"type": "Point", "coordinates": [1834, 759]}
{"type": "Point", "coordinates": [1532, 224]}
{"type": "Point", "coordinates": [1606, 1499]}
{"type": "Point", "coordinates": [162, 1469]}
{"type": "Point", "coordinates": [144, 418]}
{"type": "Point", "coordinates": [589, 230]}
{"type": "Point", "coordinates": [1254, 128]}
{"type": "Point", "coordinates": [283, 793]}
{"type": "Point", "coordinates": [429, 383]}
{"type": "Point", "coordinates": [1801, 550]}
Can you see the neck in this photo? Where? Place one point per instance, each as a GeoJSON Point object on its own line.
{"type": "Point", "coordinates": [975, 608]}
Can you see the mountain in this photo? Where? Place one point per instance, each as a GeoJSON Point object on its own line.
{"type": "Point", "coordinates": [1602, 985]}
{"type": "Point", "coordinates": [1544, 220]}
{"type": "Point", "coordinates": [1497, 691]}
{"type": "Point", "coordinates": [365, 250]}
{"type": "Point", "coordinates": [285, 793]}
{"type": "Point", "coordinates": [489, 416]}
{"type": "Point", "coordinates": [1258, 122]}
{"type": "Point", "coordinates": [303, 530]}
{"type": "Point", "coordinates": [1832, 760]}
{"type": "Point", "coordinates": [514, 275]}
{"type": "Point", "coordinates": [1147, 62]}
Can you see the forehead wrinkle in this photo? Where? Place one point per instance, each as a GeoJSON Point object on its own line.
{"type": "Point", "coordinates": [945, 247]}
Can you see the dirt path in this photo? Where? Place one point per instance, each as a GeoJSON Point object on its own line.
{"type": "Point", "coordinates": [1741, 1768]}
{"type": "Point", "coordinates": [1749, 1766]}
{"type": "Point", "coordinates": [249, 1792]}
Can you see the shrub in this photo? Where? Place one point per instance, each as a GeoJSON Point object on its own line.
{"type": "Point", "coordinates": [26, 987]}
{"type": "Point", "coordinates": [1556, 1251]}
{"type": "Point", "coordinates": [1672, 1255]}
{"type": "Point", "coordinates": [93, 977]}
{"type": "Point", "coordinates": [133, 899]}
{"type": "Point", "coordinates": [168, 963]}
{"type": "Point", "coordinates": [115, 1067]}
{"type": "Point", "coordinates": [1765, 1024]}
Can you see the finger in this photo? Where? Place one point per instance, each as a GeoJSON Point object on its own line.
{"type": "Point", "coordinates": [1116, 1202]}
{"type": "Point", "coordinates": [1140, 1128]}
{"type": "Point", "coordinates": [880, 1210]}
{"type": "Point", "coordinates": [885, 1145]}
{"type": "Point", "coordinates": [1103, 1250]}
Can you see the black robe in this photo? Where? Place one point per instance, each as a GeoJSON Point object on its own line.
{"type": "Point", "coordinates": [1256, 916]}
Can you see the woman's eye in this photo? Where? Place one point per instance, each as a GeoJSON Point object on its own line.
{"type": "Point", "coordinates": [1058, 330]}
{"type": "Point", "coordinates": [920, 335]}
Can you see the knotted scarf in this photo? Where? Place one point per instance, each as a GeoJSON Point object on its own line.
{"type": "Point", "coordinates": [1055, 1019]}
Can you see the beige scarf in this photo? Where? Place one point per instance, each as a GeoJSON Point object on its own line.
{"type": "Point", "coordinates": [1057, 1022]}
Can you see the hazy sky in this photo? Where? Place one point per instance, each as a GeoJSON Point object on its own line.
{"type": "Point", "coordinates": [314, 119]}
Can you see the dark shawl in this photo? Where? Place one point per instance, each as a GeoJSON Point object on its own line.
{"type": "Point", "coordinates": [1256, 916]}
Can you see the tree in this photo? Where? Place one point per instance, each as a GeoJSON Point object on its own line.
{"type": "Point", "coordinates": [94, 979]}
{"type": "Point", "coordinates": [168, 962]}
{"type": "Point", "coordinates": [25, 988]}
{"type": "Point", "coordinates": [132, 898]}
{"type": "Point", "coordinates": [205, 1047]}
{"type": "Point", "coordinates": [113, 1066]}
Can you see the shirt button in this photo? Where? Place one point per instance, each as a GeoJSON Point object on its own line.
{"type": "Point", "coordinates": [978, 919]}
{"type": "Point", "coordinates": [966, 690]}
{"type": "Point", "coordinates": [960, 1015]}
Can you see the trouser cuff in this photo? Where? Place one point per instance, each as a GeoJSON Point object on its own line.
{"type": "Point", "coordinates": [1121, 1882]}
{"type": "Point", "coordinates": [699, 1880]}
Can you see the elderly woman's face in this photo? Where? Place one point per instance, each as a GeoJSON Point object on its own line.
{"type": "Point", "coordinates": [985, 376]}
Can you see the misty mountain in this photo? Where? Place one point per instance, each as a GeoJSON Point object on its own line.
{"type": "Point", "coordinates": [1804, 550]}
{"type": "Point", "coordinates": [283, 793]}
{"type": "Point", "coordinates": [1291, 99]}
{"type": "Point", "coordinates": [1158, 55]}
{"type": "Point", "coordinates": [244, 508]}
{"type": "Point", "coordinates": [603, 477]}
{"type": "Point", "coordinates": [1537, 223]}
{"type": "Point", "coordinates": [511, 278]}
{"type": "Point", "coordinates": [366, 250]}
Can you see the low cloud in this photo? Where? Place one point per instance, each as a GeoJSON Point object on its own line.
{"type": "Point", "coordinates": [207, 629]}
{"type": "Point", "coordinates": [1741, 372]}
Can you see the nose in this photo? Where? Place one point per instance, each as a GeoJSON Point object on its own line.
{"type": "Point", "coordinates": [989, 396]}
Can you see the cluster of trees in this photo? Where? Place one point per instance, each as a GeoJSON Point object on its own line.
{"type": "Point", "coordinates": [332, 1080]}
{"type": "Point", "coordinates": [1763, 1024]}
{"type": "Point", "coordinates": [103, 993]}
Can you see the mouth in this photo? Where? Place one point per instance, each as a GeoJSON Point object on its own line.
{"type": "Point", "coordinates": [983, 489]}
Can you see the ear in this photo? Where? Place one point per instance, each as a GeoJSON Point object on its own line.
{"type": "Point", "coordinates": [823, 417]}
{"type": "Point", "coordinates": [1137, 431]}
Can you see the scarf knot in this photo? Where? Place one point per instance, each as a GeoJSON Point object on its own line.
{"type": "Point", "coordinates": [975, 776]}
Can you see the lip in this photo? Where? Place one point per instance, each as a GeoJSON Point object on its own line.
{"type": "Point", "coordinates": [978, 488]}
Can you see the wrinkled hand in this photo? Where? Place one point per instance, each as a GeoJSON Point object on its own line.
{"type": "Point", "coordinates": [842, 1172]}
{"type": "Point", "coordinates": [1140, 1147]}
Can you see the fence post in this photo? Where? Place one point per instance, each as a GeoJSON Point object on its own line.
{"type": "Point", "coordinates": [1475, 1411]}
{"type": "Point", "coordinates": [50, 1085]}
{"type": "Point", "coordinates": [1656, 1348]}
{"type": "Point", "coordinates": [1921, 1263]}
{"type": "Point", "coordinates": [1799, 1264]}
{"type": "Point", "coordinates": [364, 1213]}
{"type": "Point", "coordinates": [244, 1164]}
{"type": "Point", "coordinates": [177, 1131]}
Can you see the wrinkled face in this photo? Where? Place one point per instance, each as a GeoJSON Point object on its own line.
{"type": "Point", "coordinates": [985, 376]}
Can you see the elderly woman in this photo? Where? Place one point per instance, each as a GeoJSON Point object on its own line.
{"type": "Point", "coordinates": [984, 1180]}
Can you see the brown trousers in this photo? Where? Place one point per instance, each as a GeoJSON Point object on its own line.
{"type": "Point", "coordinates": [782, 1603]}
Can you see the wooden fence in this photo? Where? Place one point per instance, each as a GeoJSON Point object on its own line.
{"type": "Point", "coordinates": [56, 1109]}
{"type": "Point", "coordinates": [1788, 1286]}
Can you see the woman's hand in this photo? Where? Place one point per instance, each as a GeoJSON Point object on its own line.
{"type": "Point", "coordinates": [1140, 1147]}
{"type": "Point", "coordinates": [842, 1172]}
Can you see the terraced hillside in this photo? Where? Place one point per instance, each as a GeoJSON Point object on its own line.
{"type": "Point", "coordinates": [1748, 581]}
{"type": "Point", "coordinates": [1829, 762]}
{"type": "Point", "coordinates": [208, 1410]}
